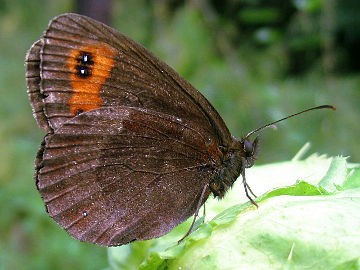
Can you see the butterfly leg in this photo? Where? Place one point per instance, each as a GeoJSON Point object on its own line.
{"type": "Point", "coordinates": [196, 212]}
{"type": "Point", "coordinates": [204, 213]}
{"type": "Point", "coordinates": [246, 186]}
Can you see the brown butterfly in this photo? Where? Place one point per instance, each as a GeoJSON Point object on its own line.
{"type": "Point", "coordinates": [132, 149]}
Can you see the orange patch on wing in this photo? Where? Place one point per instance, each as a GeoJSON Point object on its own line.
{"type": "Point", "coordinates": [86, 95]}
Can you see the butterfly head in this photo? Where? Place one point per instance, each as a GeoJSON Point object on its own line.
{"type": "Point", "coordinates": [250, 150]}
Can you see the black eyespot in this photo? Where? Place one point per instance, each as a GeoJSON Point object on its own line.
{"type": "Point", "coordinates": [79, 111]}
{"type": "Point", "coordinates": [85, 58]}
{"type": "Point", "coordinates": [85, 62]}
{"type": "Point", "coordinates": [83, 71]}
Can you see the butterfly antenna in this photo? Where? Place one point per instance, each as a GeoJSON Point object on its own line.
{"type": "Point", "coordinates": [287, 117]}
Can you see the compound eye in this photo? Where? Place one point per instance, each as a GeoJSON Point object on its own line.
{"type": "Point", "coordinates": [248, 148]}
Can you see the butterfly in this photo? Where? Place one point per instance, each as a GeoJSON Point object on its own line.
{"type": "Point", "coordinates": [132, 149]}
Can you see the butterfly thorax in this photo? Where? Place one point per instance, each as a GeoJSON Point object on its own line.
{"type": "Point", "coordinates": [240, 155]}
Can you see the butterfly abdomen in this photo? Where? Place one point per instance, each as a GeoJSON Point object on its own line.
{"type": "Point", "coordinates": [226, 174]}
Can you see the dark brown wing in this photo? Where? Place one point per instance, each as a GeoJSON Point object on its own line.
{"type": "Point", "coordinates": [33, 84]}
{"type": "Point", "coordinates": [113, 175]}
{"type": "Point", "coordinates": [124, 73]}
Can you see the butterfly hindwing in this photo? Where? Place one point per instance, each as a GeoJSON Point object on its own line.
{"type": "Point", "coordinates": [107, 175]}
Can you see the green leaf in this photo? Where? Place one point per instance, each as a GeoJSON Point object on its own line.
{"type": "Point", "coordinates": [353, 264]}
{"type": "Point", "coordinates": [259, 15]}
{"type": "Point", "coordinates": [353, 178]}
{"type": "Point", "coordinates": [300, 224]}
{"type": "Point", "coordinates": [336, 175]}
{"type": "Point", "coordinates": [308, 5]}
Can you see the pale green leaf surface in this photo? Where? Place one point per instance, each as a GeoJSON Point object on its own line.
{"type": "Point", "coordinates": [335, 176]}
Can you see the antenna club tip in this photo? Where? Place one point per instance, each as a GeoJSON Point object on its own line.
{"type": "Point", "coordinates": [326, 107]}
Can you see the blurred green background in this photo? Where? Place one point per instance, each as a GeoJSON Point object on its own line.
{"type": "Point", "coordinates": [255, 60]}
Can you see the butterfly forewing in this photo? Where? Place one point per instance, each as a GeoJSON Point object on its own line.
{"type": "Point", "coordinates": [125, 72]}
{"type": "Point", "coordinates": [33, 85]}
